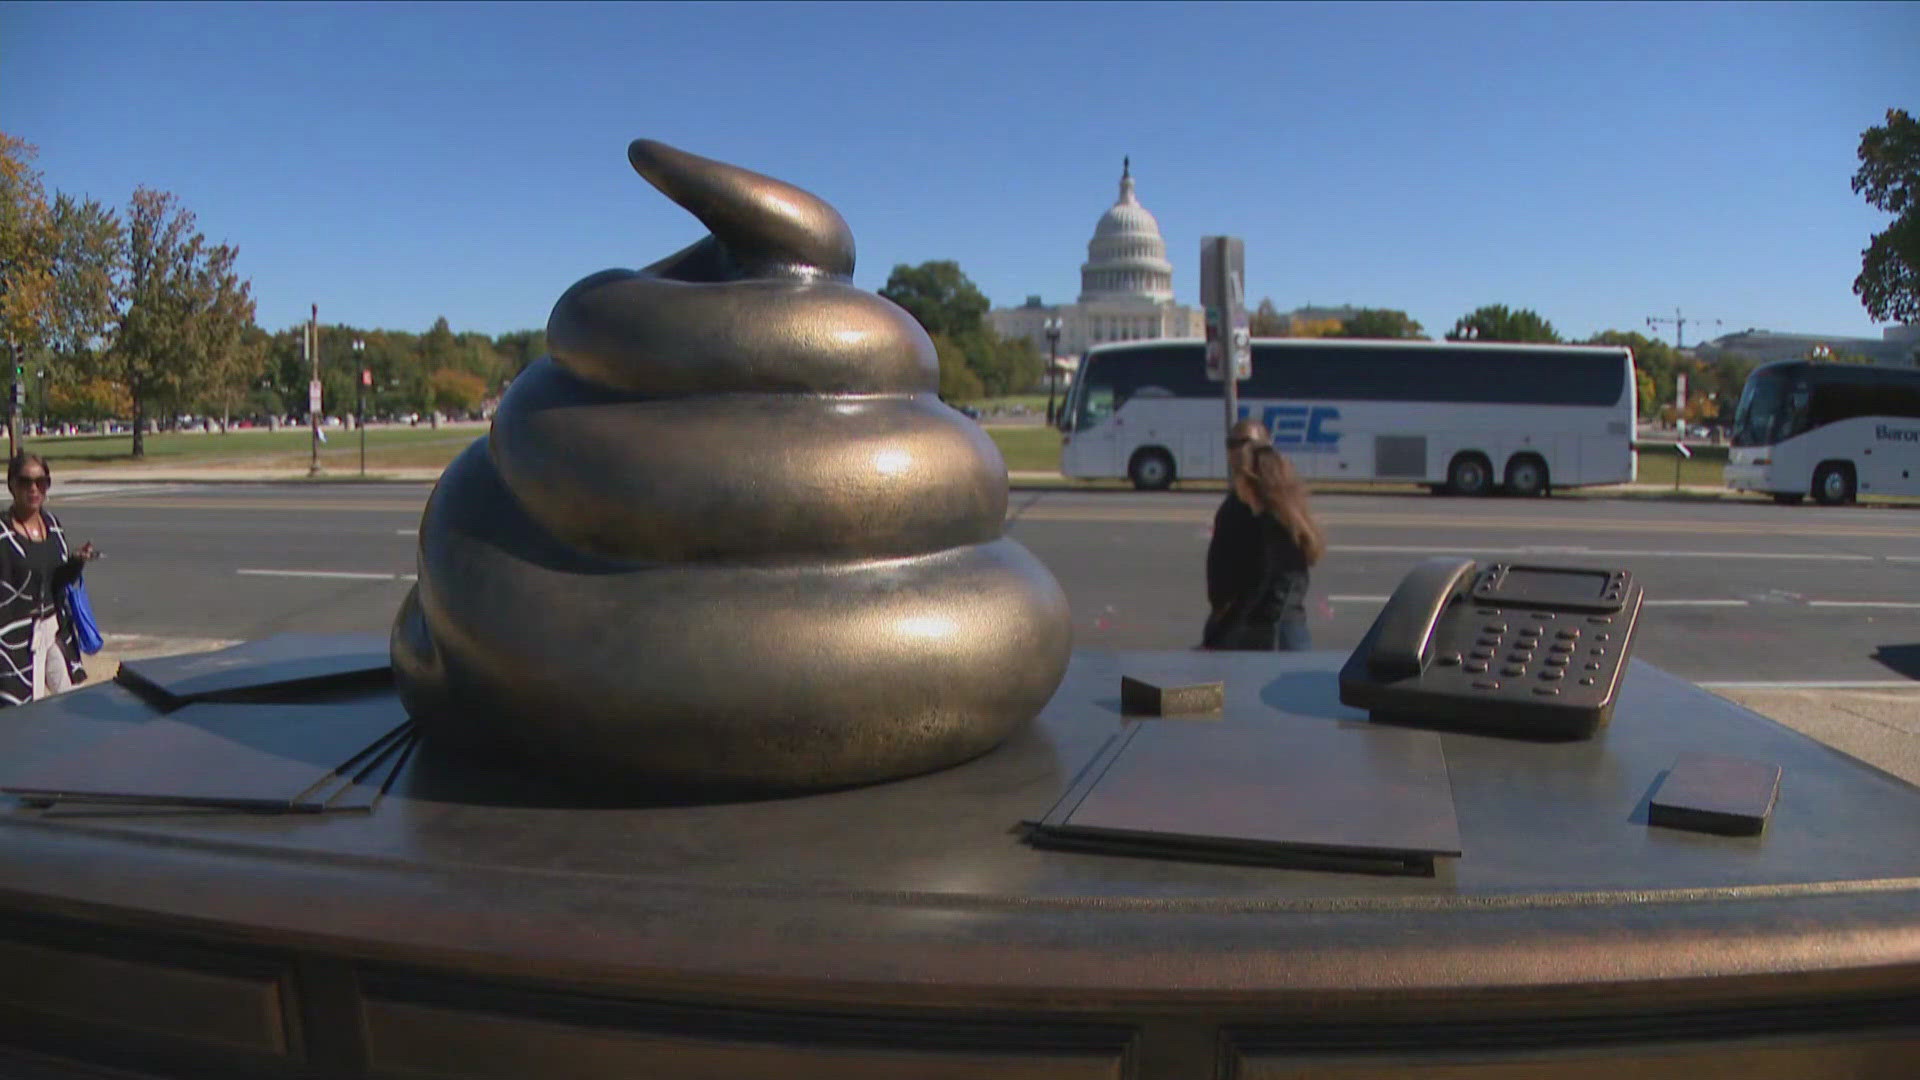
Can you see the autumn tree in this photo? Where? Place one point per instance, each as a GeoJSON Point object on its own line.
{"type": "Point", "coordinates": [1380, 323]}
{"type": "Point", "coordinates": [1494, 322]}
{"type": "Point", "coordinates": [1312, 328]}
{"type": "Point", "coordinates": [1266, 320]}
{"type": "Point", "coordinates": [185, 310]}
{"type": "Point", "coordinates": [454, 391]}
{"type": "Point", "coordinates": [26, 228]}
{"type": "Point", "coordinates": [1889, 178]}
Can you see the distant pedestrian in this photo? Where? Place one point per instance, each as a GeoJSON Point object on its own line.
{"type": "Point", "coordinates": [1264, 542]}
{"type": "Point", "coordinates": [39, 654]}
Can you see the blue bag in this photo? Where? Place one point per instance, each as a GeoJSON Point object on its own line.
{"type": "Point", "coordinates": [81, 610]}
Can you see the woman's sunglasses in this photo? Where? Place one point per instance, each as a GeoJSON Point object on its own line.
{"type": "Point", "coordinates": [43, 482]}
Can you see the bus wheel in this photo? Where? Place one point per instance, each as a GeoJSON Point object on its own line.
{"type": "Point", "coordinates": [1469, 474]}
{"type": "Point", "coordinates": [1151, 470]}
{"type": "Point", "coordinates": [1833, 483]}
{"type": "Point", "coordinates": [1527, 476]}
{"type": "Point", "coordinates": [1788, 498]}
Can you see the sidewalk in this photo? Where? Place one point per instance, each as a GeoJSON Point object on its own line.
{"type": "Point", "coordinates": [1879, 726]}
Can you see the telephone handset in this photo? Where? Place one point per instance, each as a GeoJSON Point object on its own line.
{"type": "Point", "coordinates": [1511, 648]}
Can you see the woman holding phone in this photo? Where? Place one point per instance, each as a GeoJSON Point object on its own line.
{"type": "Point", "coordinates": [39, 654]}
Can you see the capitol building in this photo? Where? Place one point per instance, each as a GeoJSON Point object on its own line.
{"type": "Point", "coordinates": [1126, 289]}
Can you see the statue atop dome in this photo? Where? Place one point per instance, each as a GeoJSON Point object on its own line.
{"type": "Point", "coordinates": [1127, 258]}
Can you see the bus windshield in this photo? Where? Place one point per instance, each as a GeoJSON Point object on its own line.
{"type": "Point", "coordinates": [1763, 415]}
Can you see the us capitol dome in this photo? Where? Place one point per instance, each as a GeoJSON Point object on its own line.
{"type": "Point", "coordinates": [1126, 288]}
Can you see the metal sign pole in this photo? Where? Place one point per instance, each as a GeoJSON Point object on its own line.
{"type": "Point", "coordinates": [1223, 293]}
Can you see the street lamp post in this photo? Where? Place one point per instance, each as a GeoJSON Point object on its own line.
{"type": "Point", "coordinates": [360, 420]}
{"type": "Point", "coordinates": [1053, 364]}
{"type": "Point", "coordinates": [313, 389]}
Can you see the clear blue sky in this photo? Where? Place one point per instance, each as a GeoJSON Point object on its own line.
{"type": "Point", "coordinates": [1599, 164]}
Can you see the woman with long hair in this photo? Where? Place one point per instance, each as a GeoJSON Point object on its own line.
{"type": "Point", "coordinates": [39, 654]}
{"type": "Point", "coordinates": [1264, 542]}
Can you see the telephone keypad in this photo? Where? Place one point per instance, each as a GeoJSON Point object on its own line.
{"type": "Point", "coordinates": [1569, 634]}
{"type": "Point", "coordinates": [1552, 674]}
{"type": "Point", "coordinates": [1513, 669]}
{"type": "Point", "coordinates": [1476, 667]}
{"type": "Point", "coordinates": [1557, 661]}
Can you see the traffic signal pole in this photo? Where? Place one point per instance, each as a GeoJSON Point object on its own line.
{"type": "Point", "coordinates": [15, 400]}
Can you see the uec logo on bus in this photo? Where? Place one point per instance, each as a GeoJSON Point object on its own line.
{"type": "Point", "coordinates": [1300, 428]}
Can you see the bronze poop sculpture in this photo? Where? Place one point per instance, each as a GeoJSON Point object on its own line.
{"type": "Point", "coordinates": [726, 534]}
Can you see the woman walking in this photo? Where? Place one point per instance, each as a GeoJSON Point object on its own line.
{"type": "Point", "coordinates": [1264, 542]}
{"type": "Point", "coordinates": [39, 655]}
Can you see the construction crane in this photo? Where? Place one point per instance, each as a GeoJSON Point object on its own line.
{"type": "Point", "coordinates": [1679, 322]}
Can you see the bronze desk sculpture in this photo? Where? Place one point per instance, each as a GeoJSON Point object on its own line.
{"type": "Point", "coordinates": [727, 534]}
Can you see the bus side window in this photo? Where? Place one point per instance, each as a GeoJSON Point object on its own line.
{"type": "Point", "coordinates": [1100, 405]}
{"type": "Point", "coordinates": [1793, 413]}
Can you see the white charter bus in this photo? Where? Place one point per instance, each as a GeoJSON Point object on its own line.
{"type": "Point", "coordinates": [1466, 417]}
{"type": "Point", "coordinates": [1832, 431]}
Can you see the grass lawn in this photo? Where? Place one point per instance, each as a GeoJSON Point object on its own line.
{"type": "Point", "coordinates": [1705, 468]}
{"type": "Point", "coordinates": [288, 448]}
{"type": "Point", "coordinates": [1029, 448]}
{"type": "Point", "coordinates": [1026, 448]}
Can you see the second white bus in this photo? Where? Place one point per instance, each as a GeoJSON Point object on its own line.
{"type": "Point", "coordinates": [1465, 417]}
{"type": "Point", "coordinates": [1833, 431]}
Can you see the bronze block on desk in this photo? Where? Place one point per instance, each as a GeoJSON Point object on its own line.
{"type": "Point", "coordinates": [1716, 794]}
{"type": "Point", "coordinates": [1139, 697]}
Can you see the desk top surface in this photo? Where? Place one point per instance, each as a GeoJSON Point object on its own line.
{"type": "Point", "coordinates": [930, 879]}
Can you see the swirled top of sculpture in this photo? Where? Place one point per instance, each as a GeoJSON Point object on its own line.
{"type": "Point", "coordinates": [764, 303]}
{"type": "Point", "coordinates": [736, 458]}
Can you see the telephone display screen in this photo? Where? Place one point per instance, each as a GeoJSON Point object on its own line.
{"type": "Point", "coordinates": [1566, 587]}
{"type": "Point", "coordinates": [1548, 584]}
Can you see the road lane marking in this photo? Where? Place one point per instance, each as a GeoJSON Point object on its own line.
{"type": "Point", "coordinates": [1860, 684]}
{"type": "Point", "coordinates": [1695, 603]}
{"type": "Point", "coordinates": [1399, 549]}
{"type": "Point", "coordinates": [1337, 519]}
{"type": "Point", "coordinates": [1865, 604]}
{"type": "Point", "coordinates": [337, 575]}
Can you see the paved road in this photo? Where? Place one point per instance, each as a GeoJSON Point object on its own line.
{"type": "Point", "coordinates": [1738, 593]}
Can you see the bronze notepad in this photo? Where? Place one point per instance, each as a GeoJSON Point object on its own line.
{"type": "Point", "coordinates": [264, 757]}
{"type": "Point", "coordinates": [1281, 790]}
{"type": "Point", "coordinates": [283, 663]}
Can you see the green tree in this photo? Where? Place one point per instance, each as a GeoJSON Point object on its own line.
{"type": "Point", "coordinates": [1380, 323]}
{"type": "Point", "coordinates": [1644, 392]}
{"type": "Point", "coordinates": [1494, 322]}
{"type": "Point", "coordinates": [26, 242]}
{"type": "Point", "coordinates": [1001, 365]}
{"type": "Point", "coordinates": [939, 296]}
{"type": "Point", "coordinates": [1266, 320]}
{"type": "Point", "coordinates": [519, 348]}
{"type": "Point", "coordinates": [186, 309]}
{"type": "Point", "coordinates": [958, 383]}
{"type": "Point", "coordinates": [1652, 358]}
{"type": "Point", "coordinates": [89, 268]}
{"type": "Point", "coordinates": [1889, 177]}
